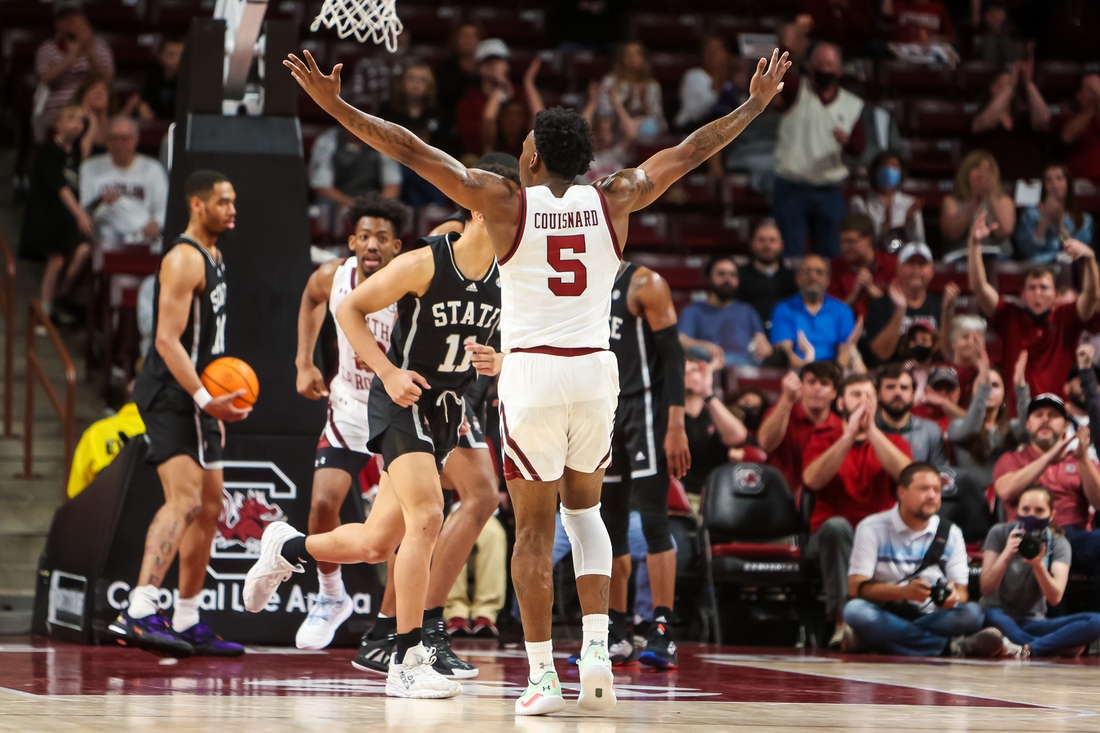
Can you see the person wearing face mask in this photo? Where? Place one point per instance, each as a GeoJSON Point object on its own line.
{"type": "Point", "coordinates": [821, 124]}
{"type": "Point", "coordinates": [729, 330]}
{"type": "Point", "coordinates": [907, 302]}
{"type": "Point", "coordinates": [1042, 229]}
{"type": "Point", "coordinates": [1046, 330]}
{"type": "Point", "coordinates": [887, 205]}
{"type": "Point", "coordinates": [752, 404]}
{"type": "Point", "coordinates": [1019, 584]}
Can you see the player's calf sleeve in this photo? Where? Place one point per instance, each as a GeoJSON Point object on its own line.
{"type": "Point", "coordinates": [589, 539]}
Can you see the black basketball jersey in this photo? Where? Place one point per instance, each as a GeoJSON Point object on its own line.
{"type": "Point", "coordinates": [204, 336]}
{"type": "Point", "coordinates": [631, 340]}
{"type": "Point", "coordinates": [431, 329]}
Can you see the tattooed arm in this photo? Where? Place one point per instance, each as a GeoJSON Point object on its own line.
{"type": "Point", "coordinates": [468, 187]}
{"type": "Point", "coordinates": [638, 187]}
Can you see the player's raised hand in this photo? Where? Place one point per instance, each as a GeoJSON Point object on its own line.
{"type": "Point", "coordinates": [485, 359]}
{"type": "Point", "coordinates": [404, 386]}
{"type": "Point", "coordinates": [768, 79]}
{"type": "Point", "coordinates": [324, 89]}
{"type": "Point", "coordinates": [310, 383]}
{"type": "Point", "coordinates": [224, 409]}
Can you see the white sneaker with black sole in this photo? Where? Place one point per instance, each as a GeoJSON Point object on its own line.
{"type": "Point", "coordinates": [272, 569]}
{"type": "Point", "coordinates": [415, 677]}
{"type": "Point", "coordinates": [325, 617]}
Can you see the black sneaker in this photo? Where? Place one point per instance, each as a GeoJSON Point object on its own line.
{"type": "Point", "coordinates": [447, 663]}
{"type": "Point", "coordinates": [374, 654]}
{"type": "Point", "coordinates": [206, 643]}
{"type": "Point", "coordinates": [153, 633]}
{"type": "Point", "coordinates": [660, 649]}
{"type": "Point", "coordinates": [622, 652]}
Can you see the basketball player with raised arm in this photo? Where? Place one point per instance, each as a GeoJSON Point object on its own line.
{"type": "Point", "coordinates": [559, 253]}
{"type": "Point", "coordinates": [184, 427]}
{"type": "Point", "coordinates": [447, 294]}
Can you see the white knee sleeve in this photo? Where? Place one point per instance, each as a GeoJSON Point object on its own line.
{"type": "Point", "coordinates": [589, 539]}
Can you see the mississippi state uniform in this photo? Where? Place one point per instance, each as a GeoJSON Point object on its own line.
{"type": "Point", "coordinates": [559, 384]}
{"type": "Point", "coordinates": [428, 339]}
{"type": "Point", "coordinates": [343, 442]}
{"type": "Point", "coordinates": [174, 424]}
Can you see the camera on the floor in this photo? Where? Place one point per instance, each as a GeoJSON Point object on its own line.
{"type": "Point", "coordinates": [940, 592]}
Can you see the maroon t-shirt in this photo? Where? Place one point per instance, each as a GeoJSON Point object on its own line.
{"type": "Point", "coordinates": [787, 456]}
{"type": "Point", "coordinates": [843, 280]}
{"type": "Point", "coordinates": [1050, 344]}
{"type": "Point", "coordinates": [861, 487]}
{"type": "Point", "coordinates": [1071, 507]}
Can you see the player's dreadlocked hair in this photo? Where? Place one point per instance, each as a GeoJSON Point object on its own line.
{"type": "Point", "coordinates": [563, 140]}
{"type": "Point", "coordinates": [374, 205]}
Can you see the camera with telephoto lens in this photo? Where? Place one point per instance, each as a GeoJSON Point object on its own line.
{"type": "Point", "coordinates": [1035, 530]}
{"type": "Point", "coordinates": [940, 592]}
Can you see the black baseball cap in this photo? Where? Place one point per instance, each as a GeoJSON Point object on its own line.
{"type": "Point", "coordinates": [1050, 400]}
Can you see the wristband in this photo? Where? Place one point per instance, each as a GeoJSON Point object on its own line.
{"type": "Point", "coordinates": [708, 398]}
{"type": "Point", "coordinates": [202, 398]}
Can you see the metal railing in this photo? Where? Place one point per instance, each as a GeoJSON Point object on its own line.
{"type": "Point", "coordinates": [7, 309]}
{"type": "Point", "coordinates": [36, 316]}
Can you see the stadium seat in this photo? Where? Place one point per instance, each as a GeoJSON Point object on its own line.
{"type": "Point", "coordinates": [151, 135]}
{"type": "Point", "coordinates": [116, 15]}
{"type": "Point", "coordinates": [1059, 80]}
{"type": "Point", "coordinates": [648, 229]}
{"type": "Point", "coordinates": [931, 192]}
{"type": "Point", "coordinates": [901, 77]}
{"type": "Point", "coordinates": [955, 272]}
{"type": "Point", "coordinates": [706, 231]}
{"type": "Point", "coordinates": [669, 68]}
{"type": "Point", "coordinates": [768, 380]}
{"type": "Point", "coordinates": [730, 27]}
{"type": "Point", "coordinates": [683, 278]}
{"type": "Point", "coordinates": [173, 17]}
{"type": "Point", "coordinates": [17, 45]}
{"type": "Point", "coordinates": [937, 117]}
{"type": "Point", "coordinates": [429, 24]}
{"type": "Point", "coordinates": [736, 194]}
{"type": "Point", "coordinates": [1088, 194]}
{"type": "Point", "coordinates": [133, 52]}
{"type": "Point", "coordinates": [695, 190]}
{"type": "Point", "coordinates": [519, 27]}
{"type": "Point", "coordinates": [584, 66]}
{"type": "Point", "coordinates": [676, 32]}
{"type": "Point", "coordinates": [975, 78]}
{"type": "Point", "coordinates": [934, 157]}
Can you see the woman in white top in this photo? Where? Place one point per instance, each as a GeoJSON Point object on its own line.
{"type": "Point", "coordinates": [708, 92]}
{"type": "Point", "coordinates": [977, 189]}
{"type": "Point", "coordinates": [631, 81]}
{"type": "Point", "coordinates": [886, 204]}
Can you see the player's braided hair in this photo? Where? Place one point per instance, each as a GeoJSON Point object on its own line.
{"type": "Point", "coordinates": [375, 206]}
{"type": "Point", "coordinates": [563, 140]}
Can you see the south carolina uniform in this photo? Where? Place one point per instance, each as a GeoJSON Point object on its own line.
{"type": "Point", "coordinates": [174, 424]}
{"type": "Point", "coordinates": [343, 442]}
{"type": "Point", "coordinates": [428, 339]}
{"type": "Point", "coordinates": [559, 383]}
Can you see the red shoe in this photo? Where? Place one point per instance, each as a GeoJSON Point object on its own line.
{"type": "Point", "coordinates": [485, 628]}
{"type": "Point", "coordinates": [458, 626]}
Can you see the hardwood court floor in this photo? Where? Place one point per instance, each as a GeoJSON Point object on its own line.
{"type": "Point", "coordinates": [47, 685]}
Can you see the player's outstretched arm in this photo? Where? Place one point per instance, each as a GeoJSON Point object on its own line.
{"type": "Point", "coordinates": [409, 273]}
{"type": "Point", "coordinates": [638, 187]}
{"type": "Point", "coordinates": [470, 188]}
{"type": "Point", "coordinates": [311, 316]}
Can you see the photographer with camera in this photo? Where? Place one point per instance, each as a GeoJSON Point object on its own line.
{"type": "Point", "coordinates": [908, 580]}
{"type": "Point", "coordinates": [1025, 566]}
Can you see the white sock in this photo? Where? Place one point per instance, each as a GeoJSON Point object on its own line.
{"type": "Point", "coordinates": [540, 656]}
{"type": "Point", "coordinates": [595, 630]}
{"type": "Point", "coordinates": [332, 585]}
{"type": "Point", "coordinates": [186, 614]}
{"type": "Point", "coordinates": [143, 601]}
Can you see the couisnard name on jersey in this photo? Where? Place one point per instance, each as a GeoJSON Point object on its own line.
{"type": "Point", "coordinates": [454, 313]}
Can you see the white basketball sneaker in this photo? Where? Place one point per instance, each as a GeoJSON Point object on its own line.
{"type": "Point", "coordinates": [269, 572]}
{"type": "Point", "coordinates": [325, 616]}
{"type": "Point", "coordinates": [415, 677]}
{"type": "Point", "coordinates": [597, 680]}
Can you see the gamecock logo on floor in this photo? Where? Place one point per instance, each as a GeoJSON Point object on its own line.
{"type": "Point", "coordinates": [244, 516]}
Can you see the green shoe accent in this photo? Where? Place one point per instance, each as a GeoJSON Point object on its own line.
{"type": "Point", "coordinates": [542, 697]}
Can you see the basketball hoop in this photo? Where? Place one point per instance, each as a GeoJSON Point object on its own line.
{"type": "Point", "coordinates": [365, 19]}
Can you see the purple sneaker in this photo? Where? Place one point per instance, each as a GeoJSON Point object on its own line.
{"type": "Point", "coordinates": [208, 644]}
{"type": "Point", "coordinates": [153, 634]}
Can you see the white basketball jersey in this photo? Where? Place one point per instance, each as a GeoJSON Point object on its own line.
{"type": "Point", "coordinates": [556, 281]}
{"type": "Point", "coordinates": [353, 378]}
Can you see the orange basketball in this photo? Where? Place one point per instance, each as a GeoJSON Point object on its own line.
{"type": "Point", "coordinates": [227, 375]}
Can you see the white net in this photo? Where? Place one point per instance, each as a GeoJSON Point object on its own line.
{"type": "Point", "coordinates": [375, 20]}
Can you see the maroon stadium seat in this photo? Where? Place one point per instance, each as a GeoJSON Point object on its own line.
{"type": "Point", "coordinates": [132, 51]}
{"type": "Point", "coordinates": [696, 190]}
{"type": "Point", "coordinates": [736, 193]}
{"type": "Point", "coordinates": [648, 229]}
{"type": "Point", "coordinates": [937, 117]}
{"type": "Point", "coordinates": [934, 157]}
{"type": "Point", "coordinates": [954, 272]}
{"type": "Point", "coordinates": [975, 77]}
{"type": "Point", "coordinates": [730, 27]}
{"type": "Point", "coordinates": [519, 27]}
{"type": "Point", "coordinates": [584, 66]}
{"type": "Point", "coordinates": [1059, 80]}
{"type": "Point", "coordinates": [931, 192]}
{"type": "Point", "coordinates": [659, 31]}
{"type": "Point", "coordinates": [429, 24]}
{"type": "Point", "coordinates": [116, 15]}
{"type": "Point", "coordinates": [707, 231]}
{"type": "Point", "coordinates": [15, 13]}
{"type": "Point", "coordinates": [17, 45]}
{"type": "Point", "coordinates": [174, 16]}
{"type": "Point", "coordinates": [669, 68]}
{"type": "Point", "coordinates": [905, 78]}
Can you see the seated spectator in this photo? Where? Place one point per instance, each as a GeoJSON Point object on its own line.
{"type": "Point", "coordinates": [821, 123]}
{"type": "Point", "coordinates": [1042, 229]}
{"type": "Point", "coordinates": [767, 279]}
{"type": "Point", "coordinates": [849, 24]}
{"type": "Point", "coordinates": [891, 582]}
{"type": "Point", "coordinates": [631, 81]}
{"type": "Point", "coordinates": [507, 119]}
{"type": "Point", "coordinates": [920, 21]}
{"type": "Point", "coordinates": [455, 76]}
{"type": "Point", "coordinates": [996, 41]}
{"type": "Point", "coordinates": [412, 105]}
{"type": "Point", "coordinates": [612, 138]}
{"type": "Point", "coordinates": [95, 96]}
{"type": "Point", "coordinates": [920, 349]}
{"type": "Point", "coordinates": [125, 193]}
{"type": "Point", "coordinates": [751, 403]}
{"type": "Point", "coordinates": [894, 416]}
{"type": "Point", "coordinates": [63, 62]}
{"type": "Point", "coordinates": [158, 95]}
{"type": "Point", "coordinates": [1060, 463]}
{"type": "Point", "coordinates": [341, 168]}
{"type": "Point", "coordinates": [940, 400]}
{"type": "Point", "coordinates": [1082, 397]}
{"type": "Point", "coordinates": [712, 430]}
{"type": "Point", "coordinates": [1013, 124]}
{"type": "Point", "coordinates": [985, 433]}
{"type": "Point", "coordinates": [964, 345]}
{"type": "Point", "coordinates": [804, 407]}
{"type": "Point", "coordinates": [55, 226]}
{"type": "Point", "coordinates": [728, 329]}
{"type": "Point", "coordinates": [888, 206]}
{"type": "Point", "coordinates": [1047, 331]}
{"type": "Point", "coordinates": [708, 92]}
{"type": "Point", "coordinates": [906, 303]}
{"type": "Point", "coordinates": [476, 614]}
{"type": "Point", "coordinates": [101, 443]}
{"type": "Point", "coordinates": [493, 67]}
{"type": "Point", "coordinates": [371, 80]}
{"type": "Point", "coordinates": [1017, 590]}
{"type": "Point", "coordinates": [978, 191]}
{"type": "Point", "coordinates": [1081, 133]}
{"type": "Point", "coordinates": [851, 472]}
{"type": "Point", "coordinates": [812, 320]}
{"type": "Point", "coordinates": [861, 272]}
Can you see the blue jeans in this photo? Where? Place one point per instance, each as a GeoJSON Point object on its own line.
{"type": "Point", "coordinates": [798, 207]}
{"type": "Point", "coordinates": [926, 636]}
{"type": "Point", "coordinates": [1047, 636]}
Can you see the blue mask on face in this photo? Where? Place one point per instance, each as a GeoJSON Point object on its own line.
{"type": "Point", "coordinates": [889, 177]}
{"type": "Point", "coordinates": [1034, 524]}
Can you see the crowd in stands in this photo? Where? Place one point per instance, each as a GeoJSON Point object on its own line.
{"type": "Point", "coordinates": [908, 322]}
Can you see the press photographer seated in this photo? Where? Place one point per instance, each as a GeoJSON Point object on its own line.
{"type": "Point", "coordinates": [1025, 567]}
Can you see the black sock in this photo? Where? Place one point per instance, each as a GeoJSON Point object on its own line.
{"type": "Point", "coordinates": [384, 626]}
{"type": "Point", "coordinates": [405, 642]}
{"type": "Point", "coordinates": [433, 614]}
{"type": "Point", "coordinates": [662, 615]}
{"type": "Point", "coordinates": [617, 625]}
{"type": "Point", "coordinates": [294, 551]}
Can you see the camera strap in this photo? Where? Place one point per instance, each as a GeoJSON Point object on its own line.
{"type": "Point", "coordinates": [935, 550]}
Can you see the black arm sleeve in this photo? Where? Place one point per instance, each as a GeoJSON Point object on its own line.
{"type": "Point", "coordinates": [670, 357]}
{"type": "Point", "coordinates": [1092, 403]}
